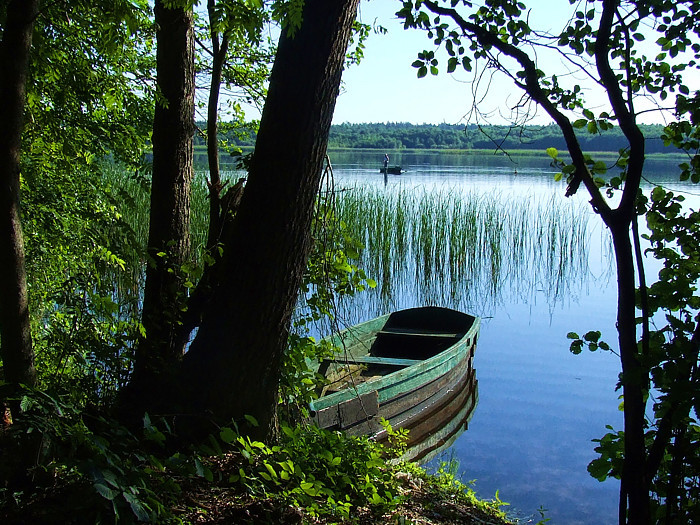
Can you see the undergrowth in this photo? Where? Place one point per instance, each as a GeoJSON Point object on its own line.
{"type": "Point", "coordinates": [112, 475]}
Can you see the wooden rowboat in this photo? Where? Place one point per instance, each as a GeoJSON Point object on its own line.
{"type": "Point", "coordinates": [413, 368]}
{"type": "Point", "coordinates": [392, 170]}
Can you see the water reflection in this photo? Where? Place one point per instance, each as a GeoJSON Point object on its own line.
{"type": "Point", "coordinates": [446, 426]}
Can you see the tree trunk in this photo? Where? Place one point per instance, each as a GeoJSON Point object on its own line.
{"type": "Point", "coordinates": [15, 334]}
{"type": "Point", "coordinates": [634, 379]}
{"type": "Point", "coordinates": [233, 364]}
{"type": "Point", "coordinates": [219, 49]}
{"type": "Point", "coordinates": [168, 238]}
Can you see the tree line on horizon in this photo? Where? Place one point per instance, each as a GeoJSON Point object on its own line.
{"type": "Point", "coordinates": [404, 135]}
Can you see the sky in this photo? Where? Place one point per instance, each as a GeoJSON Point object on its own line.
{"type": "Point", "coordinates": [384, 86]}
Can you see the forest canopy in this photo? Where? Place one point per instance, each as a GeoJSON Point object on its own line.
{"type": "Point", "coordinates": [400, 135]}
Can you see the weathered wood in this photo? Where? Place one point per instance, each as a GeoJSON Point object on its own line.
{"type": "Point", "coordinates": [417, 333]}
{"type": "Point", "coordinates": [424, 394]}
{"type": "Point", "coordinates": [359, 409]}
{"type": "Point", "coordinates": [396, 406]}
{"type": "Point", "coordinates": [327, 417]}
{"type": "Point", "coordinates": [367, 359]}
{"type": "Point", "coordinates": [348, 413]}
{"type": "Point", "coordinates": [403, 380]}
{"type": "Point", "coordinates": [423, 419]}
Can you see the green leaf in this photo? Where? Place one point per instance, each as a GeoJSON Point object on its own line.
{"type": "Point", "coordinates": [592, 336]}
{"type": "Point", "coordinates": [576, 347]}
{"type": "Point", "coordinates": [111, 478]}
{"type": "Point", "coordinates": [552, 152]}
{"type": "Point", "coordinates": [270, 469]}
{"type": "Point", "coordinates": [228, 435]}
{"type": "Point", "coordinates": [599, 469]}
{"type": "Point", "coordinates": [137, 507]}
{"type": "Point", "coordinates": [452, 64]}
{"type": "Point", "coordinates": [104, 491]}
{"type": "Point", "coordinates": [599, 167]}
{"type": "Point", "coordinates": [25, 404]}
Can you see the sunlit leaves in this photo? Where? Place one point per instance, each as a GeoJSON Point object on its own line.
{"type": "Point", "coordinates": [289, 13]}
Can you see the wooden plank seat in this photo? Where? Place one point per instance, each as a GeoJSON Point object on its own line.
{"type": "Point", "coordinates": [373, 360]}
{"type": "Point", "coordinates": [418, 333]}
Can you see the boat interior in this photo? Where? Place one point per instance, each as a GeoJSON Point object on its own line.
{"type": "Point", "coordinates": [402, 342]}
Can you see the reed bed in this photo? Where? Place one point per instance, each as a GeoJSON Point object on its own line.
{"type": "Point", "coordinates": [452, 247]}
{"type": "Point", "coordinates": [435, 246]}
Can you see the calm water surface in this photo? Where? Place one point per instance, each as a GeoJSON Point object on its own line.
{"type": "Point", "coordinates": [539, 405]}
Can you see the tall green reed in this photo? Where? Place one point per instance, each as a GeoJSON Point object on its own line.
{"type": "Point", "coordinates": [452, 246]}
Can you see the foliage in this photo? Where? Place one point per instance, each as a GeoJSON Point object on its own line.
{"type": "Point", "coordinates": [89, 109]}
{"type": "Point", "coordinates": [87, 100]}
{"type": "Point", "coordinates": [90, 88]}
{"type": "Point", "coordinates": [82, 255]}
{"type": "Point", "coordinates": [399, 135]}
{"type": "Point", "coordinates": [325, 472]}
{"type": "Point", "coordinates": [130, 475]}
{"type": "Point", "coordinates": [671, 356]}
{"type": "Point", "coordinates": [247, 60]}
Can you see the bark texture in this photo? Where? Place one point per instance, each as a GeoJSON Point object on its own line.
{"type": "Point", "coordinates": [168, 238]}
{"type": "Point", "coordinates": [15, 334]}
{"type": "Point", "coordinates": [233, 364]}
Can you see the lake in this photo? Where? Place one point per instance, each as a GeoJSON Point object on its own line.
{"type": "Point", "coordinates": [540, 406]}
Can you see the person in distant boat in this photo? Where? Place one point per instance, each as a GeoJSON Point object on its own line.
{"type": "Point", "coordinates": [386, 161]}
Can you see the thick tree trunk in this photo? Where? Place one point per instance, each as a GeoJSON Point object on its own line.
{"type": "Point", "coordinates": [15, 334]}
{"type": "Point", "coordinates": [233, 364]}
{"type": "Point", "coordinates": [168, 238]}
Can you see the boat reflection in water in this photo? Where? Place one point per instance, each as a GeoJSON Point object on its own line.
{"type": "Point", "coordinates": [413, 368]}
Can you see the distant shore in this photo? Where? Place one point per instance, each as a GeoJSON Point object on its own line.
{"type": "Point", "coordinates": [200, 150]}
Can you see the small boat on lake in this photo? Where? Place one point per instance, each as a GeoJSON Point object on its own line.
{"type": "Point", "coordinates": [391, 170]}
{"type": "Point", "coordinates": [413, 368]}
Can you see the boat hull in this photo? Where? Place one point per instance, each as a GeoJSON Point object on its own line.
{"type": "Point", "coordinates": [413, 368]}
